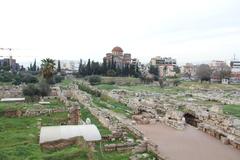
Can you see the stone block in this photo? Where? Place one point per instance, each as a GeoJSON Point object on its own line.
{"type": "Point", "coordinates": [224, 140]}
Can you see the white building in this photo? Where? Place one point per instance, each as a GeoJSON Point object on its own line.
{"type": "Point", "coordinates": [235, 71]}
{"type": "Point", "coordinates": [165, 66]}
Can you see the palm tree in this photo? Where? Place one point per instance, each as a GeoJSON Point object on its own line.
{"type": "Point", "coordinates": [47, 68]}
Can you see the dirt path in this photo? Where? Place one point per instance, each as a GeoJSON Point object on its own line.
{"type": "Point", "coordinates": [190, 144]}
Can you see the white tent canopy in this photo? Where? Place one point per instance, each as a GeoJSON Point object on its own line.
{"type": "Point", "coordinates": [53, 133]}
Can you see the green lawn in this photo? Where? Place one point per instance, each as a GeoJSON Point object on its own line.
{"type": "Point", "coordinates": [232, 110]}
{"type": "Point", "coordinates": [19, 136]}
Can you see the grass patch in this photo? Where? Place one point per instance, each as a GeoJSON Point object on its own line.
{"type": "Point", "coordinates": [66, 82]}
{"type": "Point", "coordinates": [107, 87]}
{"type": "Point", "coordinates": [120, 80]}
{"type": "Point", "coordinates": [153, 89]}
{"type": "Point", "coordinates": [85, 113]}
{"type": "Point", "coordinates": [233, 110]}
{"type": "Point", "coordinates": [110, 155]}
{"type": "Point", "coordinates": [19, 136]}
{"type": "Point", "coordinates": [109, 103]}
{"type": "Point", "coordinates": [206, 85]}
{"type": "Point", "coordinates": [19, 140]}
{"type": "Point", "coordinates": [54, 103]}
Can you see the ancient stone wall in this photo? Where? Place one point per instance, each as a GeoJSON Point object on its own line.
{"type": "Point", "coordinates": [62, 143]}
{"type": "Point", "coordinates": [74, 115]}
{"type": "Point", "coordinates": [119, 147]}
{"type": "Point", "coordinates": [30, 112]}
{"type": "Point", "coordinates": [10, 92]}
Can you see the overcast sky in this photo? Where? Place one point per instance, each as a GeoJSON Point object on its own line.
{"type": "Point", "coordinates": [188, 30]}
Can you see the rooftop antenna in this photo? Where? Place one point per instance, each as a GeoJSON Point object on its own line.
{"type": "Point", "coordinates": [234, 56]}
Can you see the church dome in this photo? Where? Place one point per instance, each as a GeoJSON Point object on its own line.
{"type": "Point", "coordinates": [117, 49]}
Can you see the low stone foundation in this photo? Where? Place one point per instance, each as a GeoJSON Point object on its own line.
{"type": "Point", "coordinates": [59, 144]}
{"type": "Point", "coordinates": [119, 147]}
{"type": "Point", "coordinates": [29, 112]}
{"type": "Point", "coordinates": [222, 136]}
{"type": "Point", "coordinates": [11, 113]}
{"type": "Point", "coordinates": [63, 143]}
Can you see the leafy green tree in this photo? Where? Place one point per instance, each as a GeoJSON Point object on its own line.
{"type": "Point", "coordinates": [154, 70]}
{"type": "Point", "coordinates": [204, 72]}
{"type": "Point", "coordinates": [176, 69]}
{"type": "Point", "coordinates": [137, 71]}
{"type": "Point", "coordinates": [6, 76]}
{"type": "Point", "coordinates": [6, 66]}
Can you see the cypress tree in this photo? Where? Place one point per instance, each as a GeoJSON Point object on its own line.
{"type": "Point", "coordinates": [89, 67]}
{"type": "Point", "coordinates": [34, 67]}
{"type": "Point", "coordinates": [109, 65]}
{"type": "Point", "coordinates": [59, 66]}
{"type": "Point", "coordinates": [104, 67]}
{"type": "Point", "coordinates": [132, 70]}
{"type": "Point", "coordinates": [80, 67]}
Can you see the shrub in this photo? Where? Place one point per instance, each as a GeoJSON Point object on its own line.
{"type": "Point", "coordinates": [161, 83]}
{"type": "Point", "coordinates": [87, 89]}
{"type": "Point", "coordinates": [111, 73]}
{"type": "Point", "coordinates": [176, 82]}
{"type": "Point", "coordinates": [156, 78]}
{"type": "Point", "coordinates": [31, 90]}
{"type": "Point", "coordinates": [93, 80]}
{"type": "Point", "coordinates": [58, 78]}
{"type": "Point", "coordinates": [6, 76]}
{"type": "Point", "coordinates": [28, 78]}
{"type": "Point", "coordinates": [111, 83]}
{"type": "Point", "coordinates": [51, 81]}
{"type": "Point", "coordinates": [17, 80]}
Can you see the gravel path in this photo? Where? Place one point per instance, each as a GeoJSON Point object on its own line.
{"type": "Point", "coordinates": [190, 144]}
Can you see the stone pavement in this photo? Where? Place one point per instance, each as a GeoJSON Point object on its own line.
{"type": "Point", "coordinates": [189, 144]}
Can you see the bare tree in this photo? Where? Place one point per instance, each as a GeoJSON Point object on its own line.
{"type": "Point", "coordinates": [224, 71]}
